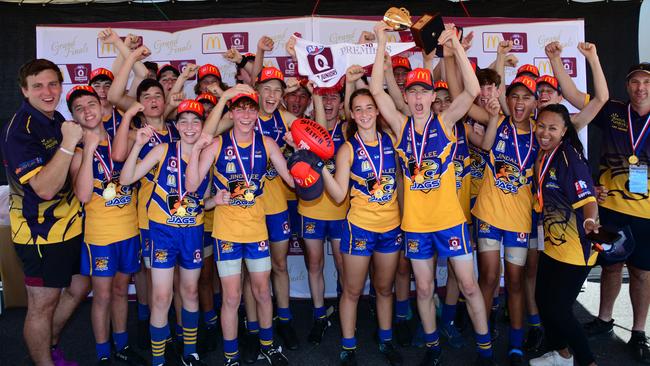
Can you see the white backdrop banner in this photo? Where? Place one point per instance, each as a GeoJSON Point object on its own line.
{"type": "Point", "coordinates": [77, 50]}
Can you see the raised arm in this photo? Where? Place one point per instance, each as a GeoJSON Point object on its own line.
{"type": "Point", "coordinates": [393, 89]}
{"type": "Point", "coordinates": [500, 67]}
{"type": "Point", "coordinates": [384, 102]}
{"type": "Point", "coordinates": [587, 114]}
{"type": "Point", "coordinates": [569, 90]}
{"type": "Point", "coordinates": [132, 170]}
{"type": "Point", "coordinates": [352, 75]}
{"type": "Point", "coordinates": [456, 87]}
{"type": "Point", "coordinates": [491, 130]}
{"type": "Point", "coordinates": [213, 123]}
{"type": "Point", "coordinates": [121, 142]}
{"type": "Point", "coordinates": [338, 185]}
{"type": "Point", "coordinates": [81, 169]}
{"type": "Point", "coordinates": [264, 44]}
{"type": "Point", "coordinates": [201, 159]}
{"type": "Point", "coordinates": [116, 93]}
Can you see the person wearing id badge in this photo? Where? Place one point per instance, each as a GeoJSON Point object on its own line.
{"type": "Point", "coordinates": [624, 160]}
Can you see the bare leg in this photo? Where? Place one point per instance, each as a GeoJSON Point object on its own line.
{"type": "Point", "coordinates": [41, 302]}
{"type": "Point", "coordinates": [70, 298]}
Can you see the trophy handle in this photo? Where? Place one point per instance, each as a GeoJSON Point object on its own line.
{"type": "Point", "coordinates": [408, 14]}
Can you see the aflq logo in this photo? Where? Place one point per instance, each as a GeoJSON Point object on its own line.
{"type": "Point", "coordinates": [75, 73]}
{"type": "Point", "coordinates": [321, 62]}
{"type": "Point", "coordinates": [313, 49]}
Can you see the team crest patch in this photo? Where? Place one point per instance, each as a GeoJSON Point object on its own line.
{"type": "Point", "coordinates": [310, 227]}
{"type": "Point", "coordinates": [484, 227]}
{"type": "Point", "coordinates": [263, 246]}
{"type": "Point", "coordinates": [413, 246]}
{"type": "Point", "coordinates": [160, 256]}
{"type": "Point", "coordinates": [360, 244]}
{"type": "Point", "coordinates": [226, 247]}
{"type": "Point", "coordinates": [552, 174]}
{"type": "Point", "coordinates": [101, 264]}
{"type": "Point", "coordinates": [521, 237]}
{"type": "Point", "coordinates": [197, 256]}
{"type": "Point", "coordinates": [454, 243]}
{"type": "Point", "coordinates": [285, 227]}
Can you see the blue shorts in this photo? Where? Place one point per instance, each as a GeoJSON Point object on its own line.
{"type": "Point", "coordinates": [145, 243]}
{"type": "Point", "coordinates": [358, 241]}
{"type": "Point", "coordinates": [533, 232]}
{"type": "Point", "coordinates": [107, 260]}
{"type": "Point", "coordinates": [510, 239]}
{"type": "Point", "coordinates": [294, 217]}
{"type": "Point", "coordinates": [450, 242]}
{"type": "Point", "coordinates": [228, 250]}
{"type": "Point", "coordinates": [321, 229]}
{"type": "Point", "coordinates": [278, 226]}
{"type": "Point", "coordinates": [171, 245]}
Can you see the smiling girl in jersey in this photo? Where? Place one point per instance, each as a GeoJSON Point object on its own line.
{"type": "Point", "coordinates": [111, 250]}
{"type": "Point", "coordinates": [239, 160]}
{"type": "Point", "coordinates": [176, 227]}
{"type": "Point", "coordinates": [433, 219]}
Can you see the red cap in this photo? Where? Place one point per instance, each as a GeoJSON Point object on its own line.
{"type": "Point", "coordinates": [191, 105]}
{"type": "Point", "coordinates": [548, 79]}
{"type": "Point", "coordinates": [532, 69]}
{"type": "Point", "coordinates": [440, 84]}
{"type": "Point", "coordinates": [400, 61]}
{"type": "Point", "coordinates": [209, 69]}
{"type": "Point", "coordinates": [251, 96]}
{"type": "Point", "coordinates": [83, 89]}
{"type": "Point", "coordinates": [100, 72]}
{"type": "Point", "coordinates": [207, 96]}
{"type": "Point", "coordinates": [167, 67]}
{"type": "Point", "coordinates": [271, 73]}
{"type": "Point", "coordinates": [526, 81]}
{"type": "Point", "coordinates": [419, 76]}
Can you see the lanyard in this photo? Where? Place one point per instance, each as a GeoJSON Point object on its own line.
{"type": "Point", "coordinates": [275, 125]}
{"type": "Point", "coordinates": [375, 171]}
{"type": "Point", "coordinates": [522, 164]}
{"type": "Point", "coordinates": [108, 172]}
{"type": "Point", "coordinates": [541, 174]}
{"type": "Point", "coordinates": [418, 156]}
{"type": "Point", "coordinates": [179, 172]}
{"type": "Point", "coordinates": [636, 144]}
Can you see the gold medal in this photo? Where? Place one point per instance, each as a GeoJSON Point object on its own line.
{"type": "Point", "coordinates": [249, 196]}
{"type": "Point", "coordinates": [109, 192]}
{"type": "Point", "coordinates": [633, 160]}
{"type": "Point", "coordinates": [419, 179]}
{"type": "Point", "coordinates": [378, 194]}
{"type": "Point", "coordinates": [180, 211]}
{"type": "Point", "coordinates": [523, 180]}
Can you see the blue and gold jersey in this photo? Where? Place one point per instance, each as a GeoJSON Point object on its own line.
{"type": "Point", "coordinates": [28, 143]}
{"type": "Point", "coordinates": [505, 199]}
{"type": "Point", "coordinates": [112, 122]}
{"type": "Point", "coordinates": [242, 221]}
{"type": "Point", "coordinates": [566, 187]}
{"type": "Point", "coordinates": [109, 221]}
{"type": "Point", "coordinates": [430, 198]}
{"type": "Point", "coordinates": [324, 207]}
{"type": "Point", "coordinates": [462, 167]}
{"type": "Point", "coordinates": [168, 135]}
{"type": "Point", "coordinates": [478, 162]}
{"type": "Point", "coordinates": [616, 148]}
{"type": "Point", "coordinates": [208, 215]}
{"type": "Point", "coordinates": [373, 202]}
{"type": "Point", "coordinates": [170, 203]}
{"type": "Point", "coordinates": [276, 192]}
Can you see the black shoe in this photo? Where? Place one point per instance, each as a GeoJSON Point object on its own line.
{"type": "Point", "coordinates": [193, 360]}
{"type": "Point", "coordinates": [534, 339]}
{"type": "Point", "coordinates": [392, 356]}
{"type": "Point", "coordinates": [288, 335]}
{"type": "Point", "coordinates": [144, 339]}
{"type": "Point", "coordinates": [431, 358]}
{"type": "Point", "coordinates": [104, 361]}
{"type": "Point", "coordinates": [484, 361]}
{"type": "Point", "coordinates": [250, 348]}
{"type": "Point", "coordinates": [639, 346]}
{"type": "Point", "coordinates": [403, 333]}
{"type": "Point", "coordinates": [210, 339]}
{"type": "Point", "coordinates": [128, 356]}
{"type": "Point", "coordinates": [515, 357]}
{"type": "Point", "coordinates": [348, 358]}
{"type": "Point", "coordinates": [231, 362]}
{"type": "Point", "coordinates": [598, 327]}
{"type": "Point", "coordinates": [274, 356]}
{"type": "Point", "coordinates": [318, 330]}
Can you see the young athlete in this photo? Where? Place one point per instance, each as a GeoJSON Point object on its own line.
{"type": "Point", "coordinates": [167, 76]}
{"type": "Point", "coordinates": [111, 235]}
{"type": "Point", "coordinates": [239, 160]}
{"type": "Point", "coordinates": [175, 226]}
{"type": "Point", "coordinates": [425, 143]}
{"type": "Point", "coordinates": [101, 80]}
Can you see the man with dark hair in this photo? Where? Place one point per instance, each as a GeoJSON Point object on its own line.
{"type": "Point", "coordinates": [38, 145]}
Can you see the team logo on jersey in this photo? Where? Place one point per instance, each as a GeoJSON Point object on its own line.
{"type": "Point", "coordinates": [365, 166]}
{"type": "Point", "coordinates": [330, 165]}
{"type": "Point", "coordinates": [263, 246]}
{"type": "Point", "coordinates": [429, 170]}
{"type": "Point", "coordinates": [552, 174]}
{"type": "Point", "coordinates": [160, 256]}
{"type": "Point", "coordinates": [285, 227]}
{"type": "Point", "coordinates": [582, 190]}
{"type": "Point", "coordinates": [504, 133]}
{"type": "Point", "coordinates": [101, 264]}
{"type": "Point", "coordinates": [522, 237]}
{"type": "Point", "coordinates": [382, 191]}
{"type": "Point", "coordinates": [501, 146]}
{"type": "Point", "coordinates": [413, 246]}
{"type": "Point", "coordinates": [458, 170]}
{"type": "Point", "coordinates": [100, 169]}
{"type": "Point", "coordinates": [226, 247]}
{"type": "Point", "coordinates": [484, 227]}
{"type": "Point", "coordinates": [360, 244]}
{"type": "Point", "coordinates": [399, 239]}
{"type": "Point", "coordinates": [361, 153]}
{"type": "Point", "coordinates": [230, 153]}
{"type": "Point", "coordinates": [454, 243]}
{"type": "Point", "coordinates": [230, 167]}
{"type": "Point", "coordinates": [310, 227]}
{"type": "Point", "coordinates": [197, 256]}
{"type": "Point", "coordinates": [240, 195]}
{"type": "Point", "coordinates": [171, 180]}
{"type": "Point", "coordinates": [507, 177]}
{"type": "Point", "coordinates": [172, 165]}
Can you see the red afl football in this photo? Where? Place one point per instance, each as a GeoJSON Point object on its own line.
{"type": "Point", "coordinates": [309, 135]}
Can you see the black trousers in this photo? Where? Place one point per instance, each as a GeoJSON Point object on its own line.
{"type": "Point", "coordinates": [558, 286]}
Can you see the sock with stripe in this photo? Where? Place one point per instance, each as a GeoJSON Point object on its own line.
{"type": "Point", "coordinates": [231, 349]}
{"type": "Point", "coordinates": [103, 350]}
{"type": "Point", "coordinates": [448, 314]}
{"type": "Point", "coordinates": [143, 311]}
{"type": "Point", "coordinates": [432, 341]}
{"type": "Point", "coordinates": [253, 327]}
{"type": "Point", "coordinates": [210, 318]}
{"type": "Point", "coordinates": [349, 344]}
{"type": "Point", "coordinates": [534, 320]}
{"type": "Point", "coordinates": [120, 340]}
{"type": "Point", "coordinates": [158, 341]}
{"type": "Point", "coordinates": [179, 331]}
{"type": "Point", "coordinates": [319, 312]}
{"type": "Point", "coordinates": [484, 345]}
{"type": "Point", "coordinates": [402, 309]}
{"type": "Point", "coordinates": [284, 315]}
{"type": "Point", "coordinates": [266, 337]}
{"type": "Point", "coordinates": [385, 335]}
{"type": "Point", "coordinates": [190, 330]}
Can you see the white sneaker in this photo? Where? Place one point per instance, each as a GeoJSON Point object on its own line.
{"type": "Point", "coordinates": [551, 359]}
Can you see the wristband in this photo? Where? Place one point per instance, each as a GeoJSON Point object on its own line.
{"type": "Point", "coordinates": [593, 221]}
{"type": "Point", "coordinates": [241, 64]}
{"type": "Point", "coordinates": [66, 151]}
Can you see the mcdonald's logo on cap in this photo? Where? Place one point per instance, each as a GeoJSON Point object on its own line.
{"type": "Point", "coordinates": [440, 84]}
{"type": "Point", "coordinates": [271, 73]}
{"type": "Point", "coordinates": [528, 68]}
{"type": "Point", "coordinates": [548, 79]}
{"type": "Point", "coordinates": [399, 61]}
{"type": "Point", "coordinates": [209, 69]}
{"type": "Point", "coordinates": [419, 76]}
{"type": "Point", "coordinates": [526, 81]}
{"type": "Point", "coordinates": [251, 96]}
{"type": "Point", "coordinates": [101, 72]}
{"type": "Point", "coordinates": [207, 97]}
{"type": "Point", "coordinates": [191, 105]}
{"type": "Point", "coordinates": [85, 89]}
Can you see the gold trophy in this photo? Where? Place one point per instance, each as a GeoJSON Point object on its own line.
{"type": "Point", "coordinates": [425, 31]}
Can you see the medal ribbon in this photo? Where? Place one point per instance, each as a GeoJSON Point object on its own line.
{"type": "Point", "coordinates": [108, 172]}
{"type": "Point", "coordinates": [275, 125]}
{"type": "Point", "coordinates": [636, 144]}
{"type": "Point", "coordinates": [541, 174]}
{"type": "Point", "coordinates": [425, 131]}
{"type": "Point", "coordinates": [159, 136]}
{"type": "Point", "coordinates": [375, 171]}
{"type": "Point", "coordinates": [179, 173]}
{"type": "Point", "coordinates": [522, 165]}
{"type": "Point", "coordinates": [453, 154]}
{"type": "Point", "coordinates": [247, 178]}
